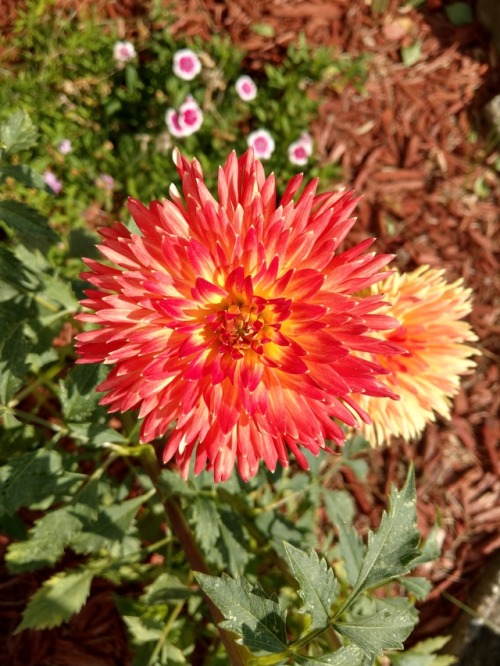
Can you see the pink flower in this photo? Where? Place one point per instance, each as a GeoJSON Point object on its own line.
{"type": "Point", "coordinates": [233, 323]}
{"type": "Point", "coordinates": [262, 143]}
{"type": "Point", "coordinates": [105, 182]}
{"type": "Point", "coordinates": [52, 181]}
{"type": "Point", "coordinates": [65, 147]}
{"type": "Point", "coordinates": [186, 121]}
{"type": "Point", "coordinates": [123, 52]}
{"type": "Point", "coordinates": [186, 64]}
{"type": "Point", "coordinates": [246, 88]}
{"type": "Point", "coordinates": [300, 151]}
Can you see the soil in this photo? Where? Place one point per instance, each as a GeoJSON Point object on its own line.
{"type": "Point", "coordinates": [416, 144]}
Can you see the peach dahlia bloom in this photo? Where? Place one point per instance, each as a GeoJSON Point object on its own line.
{"type": "Point", "coordinates": [427, 376]}
{"type": "Point", "coordinates": [231, 322]}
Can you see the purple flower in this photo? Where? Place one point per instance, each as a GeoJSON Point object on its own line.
{"type": "Point", "coordinates": [246, 88]}
{"type": "Point", "coordinates": [105, 182]}
{"type": "Point", "coordinates": [186, 64]}
{"type": "Point", "coordinates": [262, 143]}
{"type": "Point", "coordinates": [52, 181]}
{"type": "Point", "coordinates": [65, 147]}
{"type": "Point", "coordinates": [123, 52]}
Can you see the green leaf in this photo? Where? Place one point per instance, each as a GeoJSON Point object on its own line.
{"type": "Point", "coordinates": [24, 175]}
{"type": "Point", "coordinates": [172, 483]}
{"type": "Point", "coordinates": [206, 527]}
{"type": "Point", "coordinates": [416, 585]}
{"type": "Point", "coordinates": [112, 525]}
{"type": "Point", "coordinates": [30, 227]}
{"type": "Point", "coordinates": [60, 597]}
{"type": "Point", "coordinates": [248, 612]}
{"type": "Point", "coordinates": [165, 589]}
{"type": "Point", "coordinates": [384, 630]}
{"type": "Point", "coordinates": [422, 654]}
{"type": "Point", "coordinates": [339, 506]}
{"type": "Point", "coordinates": [346, 656]}
{"type": "Point", "coordinates": [18, 132]}
{"type": "Point", "coordinates": [394, 547]}
{"type": "Point", "coordinates": [14, 276]}
{"type": "Point", "coordinates": [263, 29]}
{"type": "Point", "coordinates": [352, 551]}
{"type": "Point", "coordinates": [32, 477]}
{"type": "Point", "coordinates": [410, 55]}
{"type": "Point", "coordinates": [430, 549]}
{"type": "Point", "coordinates": [46, 542]}
{"type": "Point", "coordinates": [13, 365]}
{"type": "Point", "coordinates": [79, 398]}
{"type": "Point", "coordinates": [318, 586]}
{"type": "Point", "coordinates": [459, 13]}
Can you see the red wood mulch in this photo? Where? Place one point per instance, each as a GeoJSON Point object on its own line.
{"type": "Point", "coordinates": [416, 146]}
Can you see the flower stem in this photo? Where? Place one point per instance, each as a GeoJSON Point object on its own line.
{"type": "Point", "coordinates": [238, 655]}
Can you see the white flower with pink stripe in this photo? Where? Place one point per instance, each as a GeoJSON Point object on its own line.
{"type": "Point", "coordinates": [123, 52]}
{"type": "Point", "coordinates": [186, 64]}
{"type": "Point", "coordinates": [300, 151]}
{"type": "Point", "coordinates": [262, 143]}
{"type": "Point", "coordinates": [246, 88]}
{"type": "Point", "coordinates": [186, 121]}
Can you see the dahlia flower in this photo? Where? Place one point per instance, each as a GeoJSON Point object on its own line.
{"type": "Point", "coordinates": [186, 64]}
{"type": "Point", "coordinates": [427, 376]}
{"type": "Point", "coordinates": [232, 324]}
{"type": "Point", "coordinates": [246, 88]}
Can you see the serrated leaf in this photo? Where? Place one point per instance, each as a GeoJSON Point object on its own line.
{"type": "Point", "coordinates": [165, 589]}
{"type": "Point", "coordinates": [249, 613]}
{"type": "Point", "coordinates": [430, 549]}
{"type": "Point", "coordinates": [206, 526]}
{"type": "Point", "coordinates": [24, 175]}
{"type": "Point", "coordinates": [60, 597]}
{"type": "Point", "coordinates": [112, 525]}
{"type": "Point", "coordinates": [346, 656]}
{"type": "Point", "coordinates": [29, 226]}
{"type": "Point", "coordinates": [352, 551]}
{"type": "Point", "coordinates": [339, 506]}
{"type": "Point", "coordinates": [384, 630]}
{"type": "Point", "coordinates": [30, 478]}
{"type": "Point", "coordinates": [231, 544]}
{"type": "Point", "coordinates": [318, 586]}
{"type": "Point", "coordinates": [78, 395]}
{"type": "Point", "coordinates": [18, 132]}
{"type": "Point", "coordinates": [46, 542]}
{"type": "Point", "coordinates": [393, 548]}
{"type": "Point", "coordinates": [422, 654]}
{"type": "Point", "coordinates": [416, 585]}
{"type": "Point", "coordinates": [172, 483]}
{"type": "Point", "coordinates": [13, 365]}
{"type": "Point", "coordinates": [14, 276]}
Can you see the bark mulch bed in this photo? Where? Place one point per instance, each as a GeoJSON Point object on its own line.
{"type": "Point", "coordinates": [417, 147]}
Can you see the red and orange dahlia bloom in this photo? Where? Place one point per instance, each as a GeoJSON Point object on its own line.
{"type": "Point", "coordinates": [427, 375]}
{"type": "Point", "coordinates": [232, 324]}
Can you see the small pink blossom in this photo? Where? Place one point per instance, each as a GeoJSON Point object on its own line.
{"type": "Point", "coordinates": [123, 52]}
{"type": "Point", "coordinates": [246, 88]}
{"type": "Point", "coordinates": [186, 121]}
{"type": "Point", "coordinates": [186, 64]}
{"type": "Point", "coordinates": [52, 181]}
{"type": "Point", "coordinates": [300, 151]}
{"type": "Point", "coordinates": [105, 182]}
{"type": "Point", "coordinates": [65, 147]}
{"type": "Point", "coordinates": [262, 143]}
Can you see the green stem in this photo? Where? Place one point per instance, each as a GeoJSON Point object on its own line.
{"type": "Point", "coordinates": [41, 379]}
{"type": "Point", "coordinates": [238, 655]}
